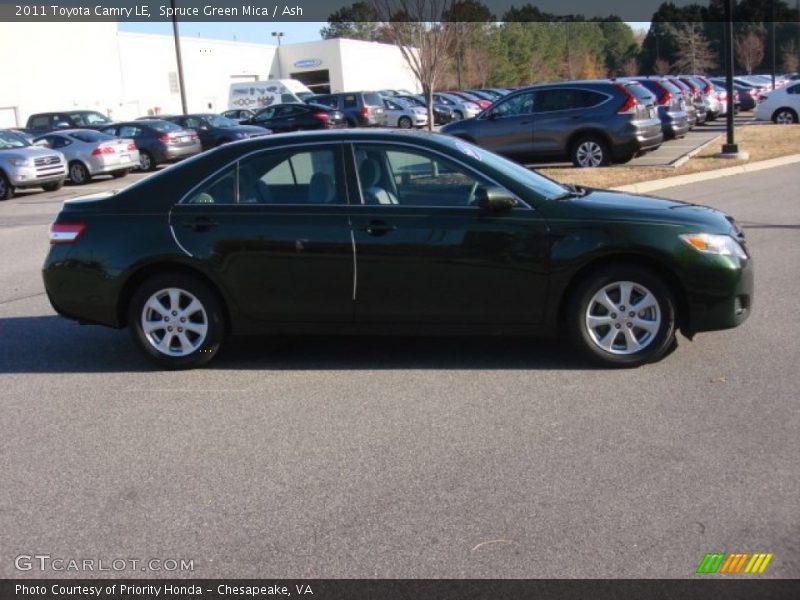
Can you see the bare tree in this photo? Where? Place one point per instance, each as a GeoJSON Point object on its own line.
{"type": "Point", "coordinates": [791, 57]}
{"type": "Point", "coordinates": [417, 28]}
{"type": "Point", "coordinates": [749, 51]}
{"type": "Point", "coordinates": [694, 53]}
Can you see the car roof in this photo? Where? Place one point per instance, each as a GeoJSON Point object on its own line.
{"type": "Point", "coordinates": [71, 131]}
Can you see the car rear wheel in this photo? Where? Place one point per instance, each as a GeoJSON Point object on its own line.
{"type": "Point", "coordinates": [622, 316]}
{"type": "Point", "coordinates": [457, 115]}
{"type": "Point", "coordinates": [53, 187]}
{"type": "Point", "coordinates": [404, 123]}
{"type": "Point", "coordinates": [177, 321]}
{"type": "Point", "coordinates": [146, 162]}
{"type": "Point", "coordinates": [785, 116]}
{"type": "Point", "coordinates": [589, 152]}
{"type": "Point", "coordinates": [78, 173]}
{"type": "Point", "coordinates": [6, 189]}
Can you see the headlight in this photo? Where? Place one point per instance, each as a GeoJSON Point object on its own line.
{"type": "Point", "coordinates": [21, 162]}
{"type": "Point", "coordinates": [709, 243]}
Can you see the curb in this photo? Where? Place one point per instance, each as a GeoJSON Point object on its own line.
{"type": "Point", "coordinates": [645, 187]}
{"type": "Point", "coordinates": [692, 153]}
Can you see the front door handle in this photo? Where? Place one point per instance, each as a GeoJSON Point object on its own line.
{"type": "Point", "coordinates": [201, 224]}
{"type": "Point", "coordinates": [378, 228]}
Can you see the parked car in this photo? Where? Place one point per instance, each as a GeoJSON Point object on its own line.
{"type": "Point", "coordinates": [361, 109]}
{"type": "Point", "coordinates": [670, 104]}
{"type": "Point", "coordinates": [745, 95]}
{"type": "Point", "coordinates": [23, 165]}
{"type": "Point", "coordinates": [722, 94]}
{"type": "Point", "coordinates": [239, 114]}
{"type": "Point", "coordinates": [693, 98]}
{"type": "Point", "coordinates": [215, 130]}
{"type": "Point", "coordinates": [298, 117]}
{"type": "Point", "coordinates": [216, 250]}
{"type": "Point", "coordinates": [700, 100]}
{"type": "Point", "coordinates": [90, 152]}
{"type": "Point", "coordinates": [462, 109]}
{"type": "Point", "coordinates": [158, 141]}
{"type": "Point", "coordinates": [482, 103]}
{"type": "Point", "coordinates": [399, 113]}
{"type": "Point", "coordinates": [781, 106]}
{"type": "Point", "coordinates": [593, 123]}
{"type": "Point", "coordinates": [442, 113]}
{"type": "Point", "coordinates": [68, 119]}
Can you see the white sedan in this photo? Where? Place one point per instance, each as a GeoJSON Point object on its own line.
{"type": "Point", "coordinates": [781, 105]}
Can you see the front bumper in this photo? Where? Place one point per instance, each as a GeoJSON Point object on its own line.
{"type": "Point", "coordinates": [721, 295]}
{"type": "Point", "coordinates": [24, 177]}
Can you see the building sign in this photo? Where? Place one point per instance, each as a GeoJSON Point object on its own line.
{"type": "Point", "coordinates": [307, 63]}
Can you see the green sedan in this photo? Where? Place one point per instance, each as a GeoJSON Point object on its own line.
{"type": "Point", "coordinates": [390, 232]}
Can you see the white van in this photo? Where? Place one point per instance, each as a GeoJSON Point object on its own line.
{"type": "Point", "coordinates": [259, 94]}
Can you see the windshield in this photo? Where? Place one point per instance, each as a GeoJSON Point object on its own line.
{"type": "Point", "coordinates": [12, 140]}
{"type": "Point", "coordinates": [95, 118]}
{"type": "Point", "coordinates": [539, 184]}
{"type": "Point", "coordinates": [305, 95]}
{"type": "Point", "coordinates": [220, 121]}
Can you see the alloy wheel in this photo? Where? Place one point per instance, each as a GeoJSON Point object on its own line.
{"type": "Point", "coordinates": [589, 154]}
{"type": "Point", "coordinates": [77, 173]}
{"type": "Point", "coordinates": [145, 162]}
{"type": "Point", "coordinates": [784, 117]}
{"type": "Point", "coordinates": [174, 322]}
{"type": "Point", "coordinates": [623, 318]}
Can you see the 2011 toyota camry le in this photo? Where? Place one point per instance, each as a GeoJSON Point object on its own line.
{"type": "Point", "coordinates": [390, 232]}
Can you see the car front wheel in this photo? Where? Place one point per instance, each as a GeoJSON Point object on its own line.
{"type": "Point", "coordinates": [177, 321]}
{"type": "Point", "coordinates": [622, 316]}
{"type": "Point", "coordinates": [6, 189]}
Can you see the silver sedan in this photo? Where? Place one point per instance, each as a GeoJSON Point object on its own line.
{"type": "Point", "coordinates": [91, 153]}
{"type": "Point", "coordinates": [399, 113]}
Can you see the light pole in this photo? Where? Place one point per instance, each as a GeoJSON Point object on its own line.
{"type": "Point", "coordinates": [279, 35]}
{"type": "Point", "coordinates": [730, 149]}
{"type": "Point", "coordinates": [176, 36]}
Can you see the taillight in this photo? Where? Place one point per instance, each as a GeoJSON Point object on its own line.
{"type": "Point", "coordinates": [708, 88]}
{"type": "Point", "coordinates": [761, 99]}
{"type": "Point", "coordinates": [666, 98]}
{"type": "Point", "coordinates": [65, 233]}
{"type": "Point", "coordinates": [364, 112]}
{"type": "Point", "coordinates": [629, 106]}
{"type": "Point", "coordinates": [321, 116]}
{"type": "Point", "coordinates": [167, 137]}
{"type": "Point", "coordinates": [102, 150]}
{"type": "Point", "coordinates": [193, 137]}
{"type": "Point", "coordinates": [131, 146]}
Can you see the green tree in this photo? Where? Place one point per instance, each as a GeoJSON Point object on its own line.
{"type": "Point", "coordinates": [358, 21]}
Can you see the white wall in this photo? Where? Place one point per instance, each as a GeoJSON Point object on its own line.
{"type": "Point", "coordinates": [44, 69]}
{"type": "Point", "coordinates": [374, 66]}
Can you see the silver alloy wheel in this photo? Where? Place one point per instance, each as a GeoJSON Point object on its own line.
{"type": "Point", "coordinates": [174, 322]}
{"type": "Point", "coordinates": [623, 317]}
{"type": "Point", "coordinates": [77, 173]}
{"type": "Point", "coordinates": [784, 117]}
{"type": "Point", "coordinates": [589, 154]}
{"type": "Point", "coordinates": [144, 161]}
{"type": "Point", "coordinates": [405, 123]}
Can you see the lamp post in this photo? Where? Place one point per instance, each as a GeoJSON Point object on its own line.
{"type": "Point", "coordinates": [176, 36]}
{"type": "Point", "coordinates": [279, 35]}
{"type": "Point", "coordinates": [730, 149]}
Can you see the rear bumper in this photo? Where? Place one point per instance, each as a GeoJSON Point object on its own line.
{"type": "Point", "coordinates": [178, 152]}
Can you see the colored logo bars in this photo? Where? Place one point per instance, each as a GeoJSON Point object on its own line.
{"type": "Point", "coordinates": [720, 562]}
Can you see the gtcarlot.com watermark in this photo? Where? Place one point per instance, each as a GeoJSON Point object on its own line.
{"type": "Point", "coordinates": [46, 562]}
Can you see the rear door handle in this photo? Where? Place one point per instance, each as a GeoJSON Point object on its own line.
{"type": "Point", "coordinates": [378, 228]}
{"type": "Point", "coordinates": [201, 224]}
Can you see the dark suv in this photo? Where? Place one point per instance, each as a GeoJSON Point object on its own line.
{"type": "Point", "coordinates": [67, 119]}
{"type": "Point", "coordinates": [361, 109]}
{"type": "Point", "coordinates": [593, 123]}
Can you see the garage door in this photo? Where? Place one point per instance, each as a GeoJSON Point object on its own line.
{"type": "Point", "coordinates": [8, 116]}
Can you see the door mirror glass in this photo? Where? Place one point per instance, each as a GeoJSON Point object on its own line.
{"type": "Point", "coordinates": [495, 199]}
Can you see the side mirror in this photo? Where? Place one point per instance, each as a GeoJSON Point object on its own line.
{"type": "Point", "coordinates": [493, 114]}
{"type": "Point", "coordinates": [495, 199]}
{"type": "Point", "coordinates": [62, 125]}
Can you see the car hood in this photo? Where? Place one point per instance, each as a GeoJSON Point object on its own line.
{"type": "Point", "coordinates": [621, 206]}
{"type": "Point", "coordinates": [27, 152]}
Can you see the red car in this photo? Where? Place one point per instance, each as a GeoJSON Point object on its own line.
{"type": "Point", "coordinates": [484, 104]}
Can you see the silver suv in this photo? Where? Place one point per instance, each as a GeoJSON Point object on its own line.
{"type": "Point", "coordinates": [23, 165]}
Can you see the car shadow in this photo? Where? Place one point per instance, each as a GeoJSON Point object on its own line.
{"type": "Point", "coordinates": [51, 344]}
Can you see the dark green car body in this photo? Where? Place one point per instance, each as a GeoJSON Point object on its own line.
{"type": "Point", "coordinates": [356, 267]}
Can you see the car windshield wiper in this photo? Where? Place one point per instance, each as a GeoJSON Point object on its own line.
{"type": "Point", "coordinates": [573, 191]}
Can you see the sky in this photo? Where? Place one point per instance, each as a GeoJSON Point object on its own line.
{"type": "Point", "coordinates": [294, 32]}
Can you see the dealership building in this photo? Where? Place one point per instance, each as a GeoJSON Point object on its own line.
{"type": "Point", "coordinates": [68, 66]}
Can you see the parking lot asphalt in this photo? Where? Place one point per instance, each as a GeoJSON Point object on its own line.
{"type": "Point", "coordinates": [395, 457]}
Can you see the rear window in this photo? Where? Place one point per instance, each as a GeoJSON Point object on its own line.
{"type": "Point", "coordinates": [641, 92]}
{"type": "Point", "coordinates": [372, 100]}
{"type": "Point", "coordinates": [671, 87]}
{"type": "Point", "coordinates": [163, 126]}
{"type": "Point", "coordinates": [91, 136]}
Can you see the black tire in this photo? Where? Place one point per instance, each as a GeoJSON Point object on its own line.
{"type": "Point", "coordinates": [78, 173]}
{"type": "Point", "coordinates": [146, 161]}
{"type": "Point", "coordinates": [6, 189]}
{"type": "Point", "coordinates": [201, 348]}
{"type": "Point", "coordinates": [784, 116]}
{"type": "Point", "coordinates": [588, 151]}
{"type": "Point", "coordinates": [53, 187]}
{"type": "Point", "coordinates": [119, 174]}
{"type": "Point", "coordinates": [582, 305]}
{"type": "Point", "coordinates": [405, 123]}
{"type": "Point", "coordinates": [458, 115]}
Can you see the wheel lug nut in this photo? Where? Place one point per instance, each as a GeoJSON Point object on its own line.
{"type": "Point", "coordinates": [166, 319]}
{"type": "Point", "coordinates": [629, 325]}
{"type": "Point", "coordinates": [180, 329]}
{"type": "Point", "coordinates": [613, 315]}
{"type": "Point", "coordinates": [631, 314]}
{"type": "Point", "coordinates": [617, 326]}
{"type": "Point", "coordinates": [622, 308]}
{"type": "Point", "coordinates": [174, 313]}
{"type": "Point", "coordinates": [169, 328]}
{"type": "Point", "coordinates": [183, 319]}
